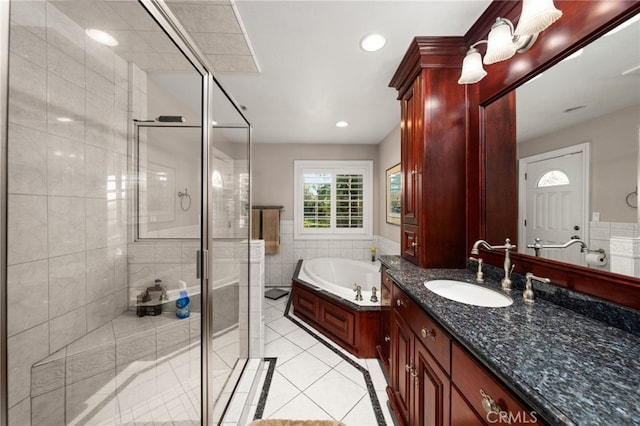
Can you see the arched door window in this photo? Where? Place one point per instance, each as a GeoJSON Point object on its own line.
{"type": "Point", "coordinates": [553, 178]}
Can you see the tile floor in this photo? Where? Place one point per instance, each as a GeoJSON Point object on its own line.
{"type": "Point", "coordinates": [314, 379]}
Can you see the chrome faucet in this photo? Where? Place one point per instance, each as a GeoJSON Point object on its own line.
{"type": "Point", "coordinates": [527, 295]}
{"type": "Point", "coordinates": [537, 245]}
{"type": "Point", "coordinates": [508, 267]}
{"type": "Point", "coordinates": [358, 291]}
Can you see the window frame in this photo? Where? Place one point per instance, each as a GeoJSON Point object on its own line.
{"type": "Point", "coordinates": [333, 167]}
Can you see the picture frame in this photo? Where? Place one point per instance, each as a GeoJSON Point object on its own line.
{"type": "Point", "coordinates": [394, 195]}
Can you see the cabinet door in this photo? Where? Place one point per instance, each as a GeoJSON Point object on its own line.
{"type": "Point", "coordinates": [384, 347]}
{"type": "Point", "coordinates": [431, 390]}
{"type": "Point", "coordinates": [411, 151]}
{"type": "Point", "coordinates": [401, 367]}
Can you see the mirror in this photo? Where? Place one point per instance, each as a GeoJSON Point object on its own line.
{"type": "Point", "coordinates": [577, 132]}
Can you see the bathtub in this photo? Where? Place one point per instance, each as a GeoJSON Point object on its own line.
{"type": "Point", "coordinates": [322, 295]}
{"type": "Point", "coordinates": [338, 276]}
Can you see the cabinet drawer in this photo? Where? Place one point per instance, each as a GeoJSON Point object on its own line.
{"type": "Point", "coordinates": [426, 329]}
{"type": "Point", "coordinates": [386, 280]}
{"type": "Point", "coordinates": [472, 380]}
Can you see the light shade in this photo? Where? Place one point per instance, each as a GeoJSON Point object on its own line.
{"type": "Point", "coordinates": [500, 44]}
{"type": "Point", "coordinates": [536, 16]}
{"type": "Point", "coordinates": [472, 71]}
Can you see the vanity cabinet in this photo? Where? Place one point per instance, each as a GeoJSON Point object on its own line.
{"type": "Point", "coordinates": [420, 364]}
{"type": "Point", "coordinates": [475, 388]}
{"type": "Point", "coordinates": [433, 152]}
{"type": "Point", "coordinates": [434, 381]}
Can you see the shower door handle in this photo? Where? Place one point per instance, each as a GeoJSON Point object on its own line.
{"type": "Point", "coordinates": [202, 270]}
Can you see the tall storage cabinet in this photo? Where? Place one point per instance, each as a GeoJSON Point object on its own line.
{"type": "Point", "coordinates": [433, 144]}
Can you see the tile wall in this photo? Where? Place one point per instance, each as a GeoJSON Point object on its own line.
{"type": "Point", "coordinates": [280, 267]}
{"type": "Point", "coordinates": [620, 242]}
{"type": "Point", "coordinates": [67, 246]}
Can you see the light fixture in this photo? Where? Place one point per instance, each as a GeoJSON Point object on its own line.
{"type": "Point", "coordinates": [472, 71]}
{"type": "Point", "coordinates": [536, 16]}
{"type": "Point", "coordinates": [372, 42]}
{"type": "Point", "coordinates": [342, 124]}
{"type": "Point", "coordinates": [101, 37]}
{"type": "Point", "coordinates": [503, 41]}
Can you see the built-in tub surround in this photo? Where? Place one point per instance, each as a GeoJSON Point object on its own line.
{"type": "Point", "coordinates": [334, 310]}
{"type": "Point", "coordinates": [341, 277]}
{"type": "Point", "coordinates": [558, 361]}
{"type": "Point", "coordinates": [280, 267]}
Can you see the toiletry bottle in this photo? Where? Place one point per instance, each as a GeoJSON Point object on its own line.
{"type": "Point", "coordinates": [183, 304]}
{"type": "Point", "coordinates": [373, 253]}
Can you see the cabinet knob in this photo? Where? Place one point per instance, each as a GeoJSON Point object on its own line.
{"type": "Point", "coordinates": [400, 302]}
{"type": "Point", "coordinates": [428, 333]}
{"type": "Point", "coordinates": [387, 338]}
{"type": "Point", "coordinates": [414, 172]}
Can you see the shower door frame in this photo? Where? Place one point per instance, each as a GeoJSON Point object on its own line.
{"type": "Point", "coordinates": [170, 24]}
{"type": "Point", "coordinates": [4, 134]}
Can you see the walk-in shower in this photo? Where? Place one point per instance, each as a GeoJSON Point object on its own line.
{"type": "Point", "coordinates": [109, 212]}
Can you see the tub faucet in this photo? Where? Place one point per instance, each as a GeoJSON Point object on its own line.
{"type": "Point", "coordinates": [374, 297]}
{"type": "Point", "coordinates": [358, 291]}
{"type": "Point", "coordinates": [508, 267]}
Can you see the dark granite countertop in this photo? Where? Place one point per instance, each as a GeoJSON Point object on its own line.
{"type": "Point", "coordinates": [570, 368]}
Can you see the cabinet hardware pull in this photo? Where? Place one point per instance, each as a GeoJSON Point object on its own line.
{"type": "Point", "coordinates": [414, 172]}
{"type": "Point", "coordinates": [414, 244]}
{"type": "Point", "coordinates": [399, 302]}
{"type": "Point", "coordinates": [408, 367]}
{"type": "Point", "coordinates": [491, 406]}
{"type": "Point", "coordinates": [428, 333]}
{"type": "Point", "coordinates": [387, 338]}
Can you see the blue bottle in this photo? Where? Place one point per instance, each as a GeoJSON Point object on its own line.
{"type": "Point", "coordinates": [183, 304]}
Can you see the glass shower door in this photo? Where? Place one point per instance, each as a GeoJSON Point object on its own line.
{"type": "Point", "coordinates": [228, 223]}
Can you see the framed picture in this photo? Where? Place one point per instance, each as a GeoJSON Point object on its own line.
{"type": "Point", "coordinates": [394, 194]}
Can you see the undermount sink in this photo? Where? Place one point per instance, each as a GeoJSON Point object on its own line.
{"type": "Point", "coordinates": [470, 294]}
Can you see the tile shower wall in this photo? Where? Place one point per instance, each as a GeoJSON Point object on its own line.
{"type": "Point", "coordinates": [280, 267]}
{"type": "Point", "coordinates": [600, 237]}
{"type": "Point", "coordinates": [67, 245]}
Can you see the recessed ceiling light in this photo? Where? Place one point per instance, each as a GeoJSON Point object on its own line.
{"type": "Point", "coordinates": [64, 119]}
{"type": "Point", "coordinates": [342, 124]}
{"type": "Point", "coordinates": [101, 37]}
{"type": "Point", "coordinates": [372, 42]}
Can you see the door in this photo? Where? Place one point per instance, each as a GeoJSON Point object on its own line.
{"type": "Point", "coordinates": [402, 367]}
{"type": "Point", "coordinates": [554, 203]}
{"type": "Point", "coordinates": [432, 390]}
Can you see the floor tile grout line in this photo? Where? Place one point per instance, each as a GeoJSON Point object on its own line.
{"type": "Point", "coordinates": [367, 377]}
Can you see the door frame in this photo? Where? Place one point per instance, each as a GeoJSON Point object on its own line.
{"type": "Point", "coordinates": [4, 132]}
{"type": "Point", "coordinates": [585, 149]}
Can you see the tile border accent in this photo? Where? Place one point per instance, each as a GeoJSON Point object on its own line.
{"type": "Point", "coordinates": [377, 409]}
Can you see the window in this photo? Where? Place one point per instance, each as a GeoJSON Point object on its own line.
{"type": "Point", "coordinates": [553, 178]}
{"type": "Point", "coordinates": [333, 199]}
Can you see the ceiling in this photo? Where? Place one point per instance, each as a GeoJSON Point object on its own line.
{"type": "Point", "coordinates": [298, 69]}
{"type": "Point", "coordinates": [312, 72]}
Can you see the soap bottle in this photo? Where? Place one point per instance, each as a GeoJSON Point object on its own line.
{"type": "Point", "coordinates": [183, 304]}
